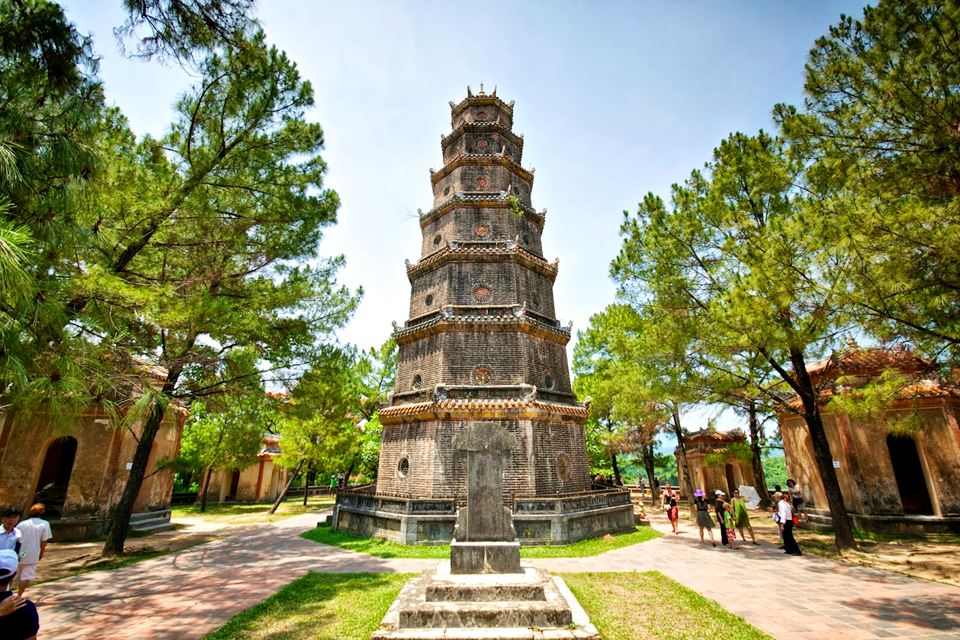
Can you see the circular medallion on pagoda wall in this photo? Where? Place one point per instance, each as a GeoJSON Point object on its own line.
{"type": "Point", "coordinates": [482, 144]}
{"type": "Point", "coordinates": [481, 230]}
{"type": "Point", "coordinates": [482, 375]}
{"type": "Point", "coordinates": [482, 294]}
{"type": "Point", "coordinates": [482, 182]}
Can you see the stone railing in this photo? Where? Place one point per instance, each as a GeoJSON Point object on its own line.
{"type": "Point", "coordinates": [586, 501]}
{"type": "Point", "coordinates": [394, 504]}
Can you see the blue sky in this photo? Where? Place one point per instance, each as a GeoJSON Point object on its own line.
{"type": "Point", "coordinates": [614, 100]}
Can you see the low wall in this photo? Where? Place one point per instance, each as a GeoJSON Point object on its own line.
{"type": "Point", "coordinates": [890, 524]}
{"type": "Point", "coordinates": [554, 520]}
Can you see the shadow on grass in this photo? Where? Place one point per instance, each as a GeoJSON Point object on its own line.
{"type": "Point", "coordinates": [345, 606]}
{"type": "Point", "coordinates": [386, 549]}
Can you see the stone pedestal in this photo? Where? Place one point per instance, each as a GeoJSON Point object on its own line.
{"type": "Point", "coordinates": [485, 557]}
{"type": "Point", "coordinates": [527, 605]}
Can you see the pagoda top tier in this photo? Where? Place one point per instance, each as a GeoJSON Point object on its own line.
{"type": "Point", "coordinates": [481, 107]}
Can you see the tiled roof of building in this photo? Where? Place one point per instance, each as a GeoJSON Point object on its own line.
{"type": "Point", "coordinates": [458, 250]}
{"type": "Point", "coordinates": [853, 360]}
{"type": "Point", "coordinates": [483, 159]}
{"type": "Point", "coordinates": [480, 405]}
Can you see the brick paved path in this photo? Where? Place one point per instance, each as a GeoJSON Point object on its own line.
{"type": "Point", "coordinates": [190, 593]}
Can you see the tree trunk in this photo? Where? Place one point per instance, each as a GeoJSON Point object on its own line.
{"type": "Point", "coordinates": [206, 486]}
{"type": "Point", "coordinates": [843, 532]}
{"type": "Point", "coordinates": [681, 444]}
{"type": "Point", "coordinates": [286, 487]}
{"type": "Point", "coordinates": [617, 480]}
{"type": "Point", "coordinates": [306, 486]}
{"type": "Point", "coordinates": [757, 457]}
{"type": "Point", "coordinates": [648, 465]}
{"type": "Point", "coordinates": [346, 476]}
{"type": "Point", "coordinates": [120, 517]}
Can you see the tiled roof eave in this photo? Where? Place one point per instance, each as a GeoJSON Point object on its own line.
{"type": "Point", "coordinates": [559, 335]}
{"type": "Point", "coordinates": [491, 201]}
{"type": "Point", "coordinates": [442, 409]}
{"type": "Point", "coordinates": [481, 159]}
{"type": "Point", "coordinates": [486, 254]}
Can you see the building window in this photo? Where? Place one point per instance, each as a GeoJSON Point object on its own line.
{"type": "Point", "coordinates": [446, 191]}
{"type": "Point", "coordinates": [482, 294]}
{"type": "Point", "coordinates": [526, 240]}
{"type": "Point", "coordinates": [535, 300]}
{"type": "Point", "coordinates": [403, 467]}
{"type": "Point", "coordinates": [429, 300]}
{"type": "Point", "coordinates": [548, 381]}
{"type": "Point", "coordinates": [437, 239]}
{"type": "Point", "coordinates": [417, 381]}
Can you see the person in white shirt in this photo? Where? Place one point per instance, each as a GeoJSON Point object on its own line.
{"type": "Point", "coordinates": [34, 535]}
{"type": "Point", "coordinates": [9, 536]}
{"type": "Point", "coordinates": [785, 515]}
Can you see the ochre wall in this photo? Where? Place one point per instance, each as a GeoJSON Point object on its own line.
{"type": "Point", "coordinates": [866, 474]}
{"type": "Point", "coordinates": [99, 471]}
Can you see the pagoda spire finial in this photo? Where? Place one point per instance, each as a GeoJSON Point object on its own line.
{"type": "Point", "coordinates": [469, 93]}
{"type": "Point", "coordinates": [481, 89]}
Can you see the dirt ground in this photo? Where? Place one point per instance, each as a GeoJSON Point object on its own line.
{"type": "Point", "coordinates": [935, 558]}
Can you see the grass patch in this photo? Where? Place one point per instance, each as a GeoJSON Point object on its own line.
{"type": "Point", "coordinates": [651, 606]}
{"type": "Point", "coordinates": [385, 549]}
{"type": "Point", "coordinates": [252, 513]}
{"type": "Point", "coordinates": [318, 606]}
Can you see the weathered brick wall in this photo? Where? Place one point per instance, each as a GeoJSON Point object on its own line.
{"type": "Point", "coordinates": [508, 283]}
{"type": "Point", "coordinates": [99, 472]}
{"type": "Point", "coordinates": [482, 141]}
{"type": "Point", "coordinates": [435, 470]}
{"type": "Point", "coordinates": [483, 113]}
{"type": "Point", "coordinates": [491, 178]}
{"type": "Point", "coordinates": [421, 357]}
{"type": "Point", "coordinates": [463, 223]}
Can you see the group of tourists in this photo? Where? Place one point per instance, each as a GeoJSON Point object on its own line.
{"type": "Point", "coordinates": [733, 517]}
{"type": "Point", "coordinates": [22, 545]}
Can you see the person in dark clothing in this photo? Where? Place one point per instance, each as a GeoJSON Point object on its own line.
{"type": "Point", "coordinates": [785, 511]}
{"type": "Point", "coordinates": [718, 507]}
{"type": "Point", "coordinates": [18, 618]}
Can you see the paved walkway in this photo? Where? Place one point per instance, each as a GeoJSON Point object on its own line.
{"type": "Point", "coordinates": [187, 594]}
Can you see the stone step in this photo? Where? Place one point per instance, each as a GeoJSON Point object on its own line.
{"type": "Point", "coordinates": [504, 613]}
{"type": "Point", "coordinates": [155, 527]}
{"type": "Point", "coordinates": [148, 516]}
{"type": "Point", "coordinates": [449, 592]}
{"type": "Point", "coordinates": [503, 633]}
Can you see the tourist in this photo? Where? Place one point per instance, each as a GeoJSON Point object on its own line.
{"type": "Point", "coordinates": [9, 536]}
{"type": "Point", "coordinates": [796, 497]}
{"type": "Point", "coordinates": [785, 511]}
{"type": "Point", "coordinates": [718, 507]}
{"type": "Point", "coordinates": [35, 533]}
{"type": "Point", "coordinates": [704, 521]}
{"type": "Point", "coordinates": [776, 516]}
{"type": "Point", "coordinates": [728, 523]}
{"type": "Point", "coordinates": [18, 617]}
{"type": "Point", "coordinates": [741, 519]}
{"type": "Point", "coordinates": [673, 513]}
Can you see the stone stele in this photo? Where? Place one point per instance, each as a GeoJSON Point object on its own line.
{"type": "Point", "coordinates": [484, 537]}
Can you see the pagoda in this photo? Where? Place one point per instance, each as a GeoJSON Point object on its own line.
{"type": "Point", "coordinates": [483, 346]}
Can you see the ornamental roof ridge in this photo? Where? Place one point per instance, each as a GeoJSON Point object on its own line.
{"type": "Point", "coordinates": [485, 158]}
{"type": "Point", "coordinates": [501, 248]}
{"type": "Point", "coordinates": [464, 126]}
{"type": "Point", "coordinates": [442, 404]}
{"type": "Point", "coordinates": [484, 198]}
{"type": "Point", "coordinates": [480, 98]}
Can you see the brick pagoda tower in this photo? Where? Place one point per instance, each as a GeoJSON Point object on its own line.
{"type": "Point", "coordinates": [482, 345]}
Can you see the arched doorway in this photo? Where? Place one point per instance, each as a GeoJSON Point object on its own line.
{"type": "Point", "coordinates": [908, 471]}
{"type": "Point", "coordinates": [234, 485]}
{"type": "Point", "coordinates": [731, 482]}
{"type": "Point", "coordinates": [55, 475]}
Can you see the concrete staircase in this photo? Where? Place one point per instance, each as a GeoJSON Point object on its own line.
{"type": "Point", "coordinates": [151, 521]}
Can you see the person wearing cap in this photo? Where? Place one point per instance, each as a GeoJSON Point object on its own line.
{"type": "Point", "coordinates": [718, 506]}
{"type": "Point", "coordinates": [704, 521]}
{"type": "Point", "coordinates": [35, 533]}
{"type": "Point", "coordinates": [18, 617]}
{"type": "Point", "coordinates": [9, 534]}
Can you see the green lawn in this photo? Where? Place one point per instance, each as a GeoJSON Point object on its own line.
{"type": "Point", "coordinates": [623, 606]}
{"type": "Point", "coordinates": [318, 606]}
{"type": "Point", "coordinates": [386, 549]}
{"type": "Point", "coordinates": [249, 513]}
{"type": "Point", "coordinates": [651, 606]}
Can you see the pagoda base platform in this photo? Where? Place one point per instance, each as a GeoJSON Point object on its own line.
{"type": "Point", "coordinates": [548, 520]}
{"type": "Point", "coordinates": [512, 606]}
